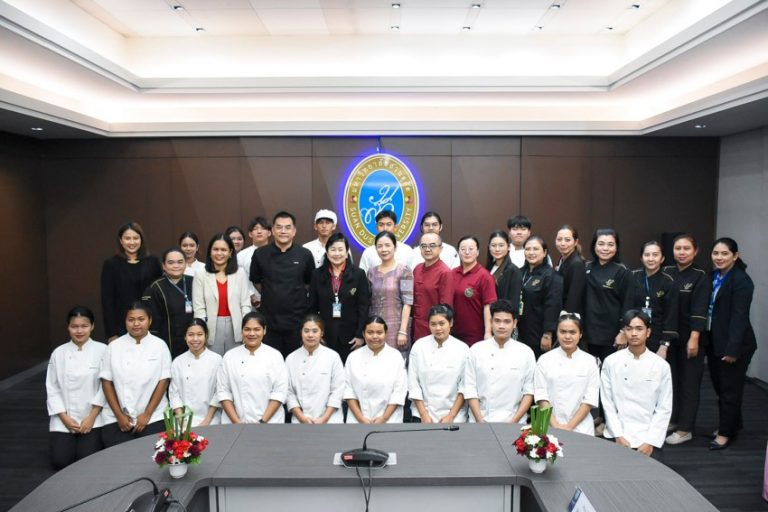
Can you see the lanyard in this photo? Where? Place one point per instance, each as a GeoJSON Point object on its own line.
{"type": "Point", "coordinates": [336, 281]}
{"type": "Point", "coordinates": [717, 282]}
{"type": "Point", "coordinates": [183, 282]}
{"type": "Point", "coordinates": [647, 292]}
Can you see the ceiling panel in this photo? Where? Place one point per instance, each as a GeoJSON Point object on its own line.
{"type": "Point", "coordinates": [229, 22]}
{"type": "Point", "coordinates": [285, 22]}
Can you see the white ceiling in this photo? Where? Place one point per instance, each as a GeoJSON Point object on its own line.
{"type": "Point", "coordinates": [312, 67]}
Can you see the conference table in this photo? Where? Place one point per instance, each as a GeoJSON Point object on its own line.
{"type": "Point", "coordinates": [290, 467]}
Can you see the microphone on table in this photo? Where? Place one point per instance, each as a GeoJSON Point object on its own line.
{"type": "Point", "coordinates": [371, 457]}
{"type": "Point", "coordinates": [155, 500]}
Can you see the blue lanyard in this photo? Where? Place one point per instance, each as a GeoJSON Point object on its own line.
{"type": "Point", "coordinates": [717, 282]}
{"type": "Point", "coordinates": [184, 282]}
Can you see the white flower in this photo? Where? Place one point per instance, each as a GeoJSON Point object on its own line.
{"type": "Point", "coordinates": [553, 440]}
{"type": "Point", "coordinates": [532, 439]}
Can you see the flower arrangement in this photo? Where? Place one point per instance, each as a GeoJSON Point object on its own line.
{"type": "Point", "coordinates": [178, 444]}
{"type": "Point", "coordinates": [534, 443]}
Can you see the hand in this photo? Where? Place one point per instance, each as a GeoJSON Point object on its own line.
{"type": "Point", "coordinates": [448, 418]}
{"type": "Point", "coordinates": [426, 418]}
{"type": "Point", "coordinates": [662, 352]}
{"type": "Point", "coordinates": [729, 359]}
{"type": "Point", "coordinates": [621, 340]}
{"type": "Point", "coordinates": [142, 420]}
{"type": "Point", "coordinates": [87, 424]}
{"type": "Point", "coordinates": [124, 422]}
{"type": "Point", "coordinates": [487, 335]}
{"type": "Point", "coordinates": [205, 422]}
{"type": "Point", "coordinates": [366, 421]}
{"type": "Point", "coordinates": [378, 420]}
{"type": "Point", "coordinates": [69, 422]}
{"type": "Point", "coordinates": [255, 301]}
{"type": "Point", "coordinates": [546, 343]}
{"type": "Point", "coordinates": [693, 348]}
{"type": "Point", "coordinates": [622, 442]}
{"type": "Point", "coordinates": [402, 340]}
{"type": "Point", "coordinates": [356, 343]}
{"type": "Point", "coordinates": [645, 449]}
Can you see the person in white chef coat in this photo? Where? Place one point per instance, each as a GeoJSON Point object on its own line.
{"type": "Point", "coordinates": [315, 378]}
{"type": "Point", "coordinates": [636, 390]}
{"type": "Point", "coordinates": [498, 380]}
{"type": "Point", "coordinates": [376, 382]}
{"type": "Point", "coordinates": [436, 371]}
{"type": "Point", "coordinates": [568, 379]}
{"type": "Point", "coordinates": [252, 384]}
{"type": "Point", "coordinates": [74, 396]}
{"type": "Point", "coordinates": [135, 372]}
{"type": "Point", "coordinates": [193, 377]}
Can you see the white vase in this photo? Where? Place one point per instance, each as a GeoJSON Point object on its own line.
{"type": "Point", "coordinates": [537, 466]}
{"type": "Point", "coordinates": [177, 470]}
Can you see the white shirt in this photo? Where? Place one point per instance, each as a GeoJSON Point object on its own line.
{"type": "Point", "coordinates": [637, 397]}
{"type": "Point", "coordinates": [315, 382]}
{"type": "Point", "coordinates": [376, 381]}
{"type": "Point", "coordinates": [370, 258]}
{"type": "Point", "coordinates": [499, 378]}
{"type": "Point", "coordinates": [449, 255]}
{"type": "Point", "coordinates": [250, 381]}
{"type": "Point", "coordinates": [193, 383]}
{"type": "Point", "coordinates": [318, 251]}
{"type": "Point", "coordinates": [194, 268]}
{"type": "Point", "coordinates": [244, 262]}
{"type": "Point", "coordinates": [135, 369]}
{"type": "Point", "coordinates": [566, 383]}
{"type": "Point", "coordinates": [436, 374]}
{"type": "Point", "coordinates": [73, 383]}
{"type": "Point", "coordinates": [517, 256]}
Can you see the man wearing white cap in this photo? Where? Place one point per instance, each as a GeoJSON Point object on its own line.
{"type": "Point", "coordinates": [325, 224]}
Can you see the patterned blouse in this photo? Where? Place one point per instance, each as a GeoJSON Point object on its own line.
{"type": "Point", "coordinates": [389, 292]}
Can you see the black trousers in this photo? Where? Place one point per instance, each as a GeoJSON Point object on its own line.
{"type": "Point", "coordinates": [728, 381]}
{"type": "Point", "coordinates": [686, 382]}
{"type": "Point", "coordinates": [601, 352]}
{"type": "Point", "coordinates": [284, 341]}
{"type": "Point", "coordinates": [68, 448]}
{"type": "Point", "coordinates": [111, 434]}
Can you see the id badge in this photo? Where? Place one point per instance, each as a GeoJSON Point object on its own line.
{"type": "Point", "coordinates": [336, 310]}
{"type": "Point", "coordinates": [648, 312]}
{"type": "Point", "coordinates": [520, 308]}
{"type": "Point", "coordinates": [188, 306]}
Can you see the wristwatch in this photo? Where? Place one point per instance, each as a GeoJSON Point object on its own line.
{"type": "Point", "coordinates": [666, 344]}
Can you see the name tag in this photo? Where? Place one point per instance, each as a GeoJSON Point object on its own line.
{"type": "Point", "coordinates": [336, 310]}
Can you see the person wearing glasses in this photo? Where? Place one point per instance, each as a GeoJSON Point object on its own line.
{"type": "Point", "coordinates": [432, 283]}
{"type": "Point", "coordinates": [636, 390]}
{"type": "Point", "coordinates": [474, 290]}
{"type": "Point", "coordinates": [431, 222]}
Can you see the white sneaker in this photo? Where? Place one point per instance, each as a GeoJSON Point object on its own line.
{"type": "Point", "coordinates": [675, 438]}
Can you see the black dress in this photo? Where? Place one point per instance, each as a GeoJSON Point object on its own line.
{"type": "Point", "coordinates": [168, 303]}
{"type": "Point", "coordinates": [121, 284]}
{"type": "Point", "coordinates": [542, 298]}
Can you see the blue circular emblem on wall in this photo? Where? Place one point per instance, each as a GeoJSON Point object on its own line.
{"type": "Point", "coordinates": [380, 182]}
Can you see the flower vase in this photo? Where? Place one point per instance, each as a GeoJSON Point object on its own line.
{"type": "Point", "coordinates": [537, 465]}
{"type": "Point", "coordinates": [177, 470]}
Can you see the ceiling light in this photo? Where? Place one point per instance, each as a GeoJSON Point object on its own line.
{"type": "Point", "coordinates": [395, 6]}
{"type": "Point", "coordinates": [698, 126]}
{"type": "Point", "coordinates": [178, 7]}
{"type": "Point", "coordinates": [395, 28]}
{"type": "Point", "coordinates": [555, 6]}
{"type": "Point", "coordinates": [539, 27]}
{"type": "Point", "coordinates": [608, 28]}
{"type": "Point", "coordinates": [476, 6]}
{"type": "Point", "coordinates": [36, 129]}
{"type": "Point", "coordinates": [635, 6]}
{"type": "Point", "coordinates": [199, 29]}
{"type": "Point", "coordinates": [466, 29]}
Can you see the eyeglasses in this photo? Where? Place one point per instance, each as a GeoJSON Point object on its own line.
{"type": "Point", "coordinates": [468, 250]}
{"type": "Point", "coordinates": [431, 247]}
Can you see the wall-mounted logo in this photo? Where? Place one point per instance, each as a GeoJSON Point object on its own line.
{"type": "Point", "coordinates": [377, 183]}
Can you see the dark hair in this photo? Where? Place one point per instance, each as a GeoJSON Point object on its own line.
{"type": "Point", "coordinates": [200, 323]}
{"type": "Point", "coordinates": [169, 251]}
{"type": "Point", "coordinates": [313, 317]}
{"type": "Point", "coordinates": [231, 267]}
{"type": "Point", "coordinates": [375, 319]}
{"type": "Point", "coordinates": [386, 214]}
{"type": "Point", "coordinates": [135, 226]}
{"type": "Point", "coordinates": [574, 234]}
{"type": "Point", "coordinates": [80, 311]}
{"type": "Point", "coordinates": [686, 236]}
{"type": "Point", "coordinates": [519, 220]}
{"type": "Point", "coordinates": [537, 238]}
{"type": "Point", "coordinates": [259, 221]}
{"type": "Point", "coordinates": [282, 214]}
{"type": "Point", "coordinates": [232, 229]}
{"type": "Point", "coordinates": [732, 246]}
{"type": "Point", "coordinates": [431, 214]}
{"type": "Point", "coordinates": [605, 232]}
{"type": "Point", "coordinates": [490, 260]}
{"type": "Point", "coordinates": [189, 234]}
{"type": "Point", "coordinates": [336, 237]}
{"type": "Point", "coordinates": [504, 306]}
{"type": "Point", "coordinates": [650, 243]}
{"type": "Point", "coordinates": [468, 237]}
{"type": "Point", "coordinates": [441, 310]}
{"type": "Point", "coordinates": [385, 234]}
{"type": "Point", "coordinates": [137, 304]}
{"type": "Point", "coordinates": [569, 317]}
{"type": "Point", "coordinates": [632, 314]}
{"type": "Point", "coordinates": [255, 315]}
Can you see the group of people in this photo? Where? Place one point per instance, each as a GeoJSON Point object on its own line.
{"type": "Point", "coordinates": [424, 334]}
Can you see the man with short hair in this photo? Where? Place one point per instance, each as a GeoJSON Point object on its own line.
{"type": "Point", "coordinates": [431, 222]}
{"type": "Point", "coordinates": [498, 380]}
{"type": "Point", "coordinates": [258, 232]}
{"type": "Point", "coordinates": [519, 228]}
{"type": "Point", "coordinates": [636, 390]}
{"type": "Point", "coordinates": [325, 224]}
{"type": "Point", "coordinates": [432, 283]}
{"type": "Point", "coordinates": [281, 271]}
{"type": "Point", "coordinates": [386, 221]}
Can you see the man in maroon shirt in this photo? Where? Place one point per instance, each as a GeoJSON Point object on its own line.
{"type": "Point", "coordinates": [432, 283]}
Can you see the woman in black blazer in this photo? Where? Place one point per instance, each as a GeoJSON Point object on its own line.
{"type": "Point", "coordinates": [732, 340]}
{"type": "Point", "coordinates": [339, 292]}
{"type": "Point", "coordinates": [508, 277]}
{"type": "Point", "coordinates": [571, 269]}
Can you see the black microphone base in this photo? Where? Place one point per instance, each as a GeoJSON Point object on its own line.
{"type": "Point", "coordinates": [149, 502]}
{"type": "Point", "coordinates": [364, 458]}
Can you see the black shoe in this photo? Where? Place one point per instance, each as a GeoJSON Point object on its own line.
{"type": "Point", "coordinates": [714, 445]}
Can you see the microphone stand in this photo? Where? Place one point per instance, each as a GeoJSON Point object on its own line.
{"type": "Point", "coordinates": [371, 457]}
{"type": "Point", "coordinates": [154, 501]}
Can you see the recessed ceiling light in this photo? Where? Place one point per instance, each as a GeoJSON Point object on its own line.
{"type": "Point", "coordinates": [36, 129]}
{"type": "Point", "coordinates": [466, 29]}
{"type": "Point", "coordinates": [635, 6]}
{"type": "Point", "coordinates": [608, 28]}
{"type": "Point", "coordinates": [555, 6]}
{"type": "Point", "coordinates": [199, 29]}
{"type": "Point", "coordinates": [476, 6]}
{"type": "Point", "coordinates": [395, 6]}
{"type": "Point", "coordinates": [539, 27]}
{"type": "Point", "coordinates": [178, 7]}
{"type": "Point", "coordinates": [700, 126]}
{"type": "Point", "coordinates": [395, 28]}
